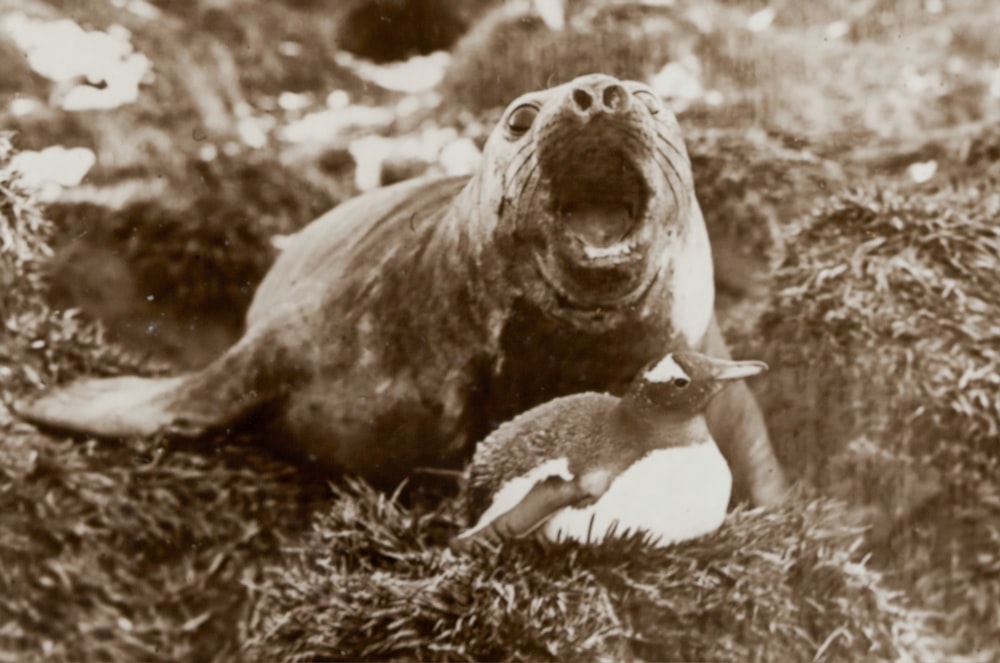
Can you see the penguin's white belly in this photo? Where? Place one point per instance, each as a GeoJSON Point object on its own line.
{"type": "Point", "coordinates": [673, 494]}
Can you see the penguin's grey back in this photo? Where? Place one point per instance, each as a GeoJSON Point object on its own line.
{"type": "Point", "coordinates": [547, 431]}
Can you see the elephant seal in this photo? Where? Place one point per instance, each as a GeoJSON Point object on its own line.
{"type": "Point", "coordinates": [407, 323]}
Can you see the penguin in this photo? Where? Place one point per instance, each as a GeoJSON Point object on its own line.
{"type": "Point", "coordinates": [591, 466]}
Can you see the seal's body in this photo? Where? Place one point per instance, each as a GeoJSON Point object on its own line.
{"type": "Point", "coordinates": [408, 322]}
{"type": "Point", "coordinates": [589, 466]}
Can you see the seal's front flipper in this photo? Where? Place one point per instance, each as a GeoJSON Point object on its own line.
{"type": "Point", "coordinates": [539, 504]}
{"type": "Point", "coordinates": [185, 405]}
{"type": "Point", "coordinates": [738, 426]}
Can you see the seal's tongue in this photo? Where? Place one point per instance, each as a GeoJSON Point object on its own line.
{"type": "Point", "coordinates": [598, 196]}
{"type": "Point", "coordinates": [599, 224]}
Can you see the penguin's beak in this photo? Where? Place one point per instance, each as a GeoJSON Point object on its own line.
{"type": "Point", "coordinates": [722, 369]}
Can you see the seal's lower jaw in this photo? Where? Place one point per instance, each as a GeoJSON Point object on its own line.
{"type": "Point", "coordinates": [600, 275]}
{"type": "Point", "coordinates": [616, 251]}
{"type": "Point", "coordinates": [600, 233]}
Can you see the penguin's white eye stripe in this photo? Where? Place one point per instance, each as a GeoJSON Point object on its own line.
{"type": "Point", "coordinates": [666, 370]}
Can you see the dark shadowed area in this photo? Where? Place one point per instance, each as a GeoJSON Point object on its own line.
{"type": "Point", "coordinates": [155, 154]}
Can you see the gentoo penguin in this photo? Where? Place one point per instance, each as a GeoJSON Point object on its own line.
{"type": "Point", "coordinates": [591, 466]}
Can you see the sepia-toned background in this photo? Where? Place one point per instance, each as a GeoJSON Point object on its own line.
{"type": "Point", "coordinates": [845, 155]}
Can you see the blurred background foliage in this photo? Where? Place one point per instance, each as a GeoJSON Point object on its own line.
{"type": "Point", "coordinates": [845, 154]}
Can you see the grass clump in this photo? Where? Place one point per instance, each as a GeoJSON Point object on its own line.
{"type": "Point", "coordinates": [752, 186]}
{"type": "Point", "coordinates": [498, 59]}
{"type": "Point", "coordinates": [372, 581]}
{"type": "Point", "coordinates": [174, 275]}
{"type": "Point", "coordinates": [883, 338]}
{"type": "Point", "coordinates": [110, 552]}
{"type": "Point", "coordinates": [897, 294]}
{"type": "Point", "coordinates": [24, 232]}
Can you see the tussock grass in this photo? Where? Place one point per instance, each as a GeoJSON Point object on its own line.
{"type": "Point", "coordinates": [895, 296]}
{"type": "Point", "coordinates": [752, 186]}
{"type": "Point", "coordinates": [24, 232]}
{"type": "Point", "coordinates": [112, 552]}
{"type": "Point", "coordinates": [884, 77]}
{"type": "Point", "coordinates": [185, 265]}
{"type": "Point", "coordinates": [371, 581]}
{"type": "Point", "coordinates": [883, 334]}
{"type": "Point", "coordinates": [499, 58]}
{"type": "Point", "coordinates": [155, 550]}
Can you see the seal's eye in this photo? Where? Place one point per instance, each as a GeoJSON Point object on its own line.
{"type": "Point", "coordinates": [520, 118]}
{"type": "Point", "coordinates": [681, 383]}
{"type": "Point", "coordinates": [650, 100]}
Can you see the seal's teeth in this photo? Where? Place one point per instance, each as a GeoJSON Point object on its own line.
{"type": "Point", "coordinates": [613, 251]}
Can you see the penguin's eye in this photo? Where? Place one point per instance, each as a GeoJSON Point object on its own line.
{"type": "Point", "coordinates": [649, 100]}
{"type": "Point", "coordinates": [520, 118]}
{"type": "Point", "coordinates": [681, 383]}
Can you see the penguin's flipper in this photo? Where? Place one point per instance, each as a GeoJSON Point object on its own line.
{"type": "Point", "coordinates": [540, 503]}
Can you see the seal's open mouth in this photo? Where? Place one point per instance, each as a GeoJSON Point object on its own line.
{"type": "Point", "coordinates": [600, 236]}
{"type": "Point", "coordinates": [599, 202]}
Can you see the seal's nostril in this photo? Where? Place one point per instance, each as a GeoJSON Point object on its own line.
{"type": "Point", "coordinates": [582, 98]}
{"type": "Point", "coordinates": [615, 97]}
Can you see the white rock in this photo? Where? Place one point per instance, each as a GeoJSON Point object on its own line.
{"type": "Point", "coordinates": [922, 171]}
{"type": "Point", "coordinates": [837, 30]}
{"type": "Point", "coordinates": [761, 20]}
{"type": "Point", "coordinates": [714, 98]}
{"type": "Point", "coordinates": [552, 12]}
{"type": "Point", "coordinates": [680, 83]}
{"type": "Point", "coordinates": [408, 105]}
{"type": "Point", "coordinates": [995, 84]}
{"type": "Point", "coordinates": [369, 153]}
{"type": "Point", "coordinates": [417, 74]}
{"type": "Point", "coordinates": [208, 152]}
{"type": "Point", "coordinates": [327, 125]}
{"type": "Point", "coordinates": [460, 157]}
{"type": "Point", "coordinates": [21, 106]}
{"type": "Point", "coordinates": [140, 8]}
{"type": "Point", "coordinates": [290, 49]}
{"type": "Point", "coordinates": [922, 83]}
{"type": "Point", "coordinates": [48, 170]}
{"type": "Point", "coordinates": [295, 101]}
{"type": "Point", "coordinates": [338, 99]}
{"type": "Point", "coordinates": [453, 155]}
{"type": "Point", "coordinates": [252, 132]}
{"type": "Point", "coordinates": [63, 52]}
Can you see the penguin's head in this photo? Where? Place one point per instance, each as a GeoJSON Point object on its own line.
{"type": "Point", "coordinates": [683, 383]}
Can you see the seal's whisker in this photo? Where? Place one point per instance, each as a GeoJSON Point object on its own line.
{"type": "Point", "coordinates": [515, 177]}
{"type": "Point", "coordinates": [529, 181]}
{"type": "Point", "coordinates": [666, 139]}
{"type": "Point", "coordinates": [528, 160]}
{"type": "Point", "coordinates": [516, 163]}
{"type": "Point", "coordinates": [680, 179]}
{"type": "Point", "coordinates": [670, 181]}
{"type": "Point", "coordinates": [658, 155]}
